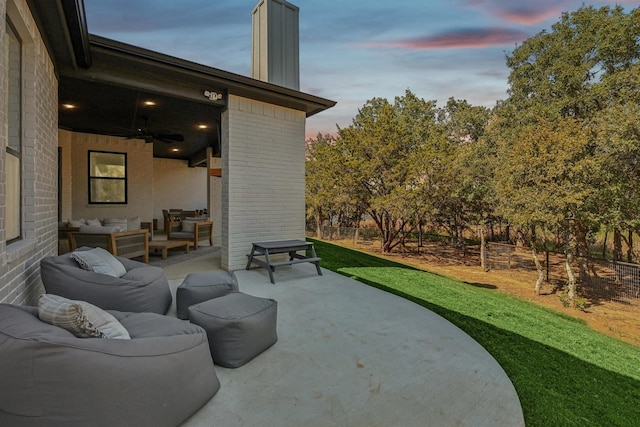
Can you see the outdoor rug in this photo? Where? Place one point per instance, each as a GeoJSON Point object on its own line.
{"type": "Point", "coordinates": [177, 255]}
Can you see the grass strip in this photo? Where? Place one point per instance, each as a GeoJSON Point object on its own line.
{"type": "Point", "coordinates": [565, 373]}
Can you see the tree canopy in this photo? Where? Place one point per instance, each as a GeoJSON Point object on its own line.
{"type": "Point", "coordinates": [560, 154]}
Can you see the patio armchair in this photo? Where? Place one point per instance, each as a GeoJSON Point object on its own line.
{"type": "Point", "coordinates": [193, 230]}
{"type": "Point", "coordinates": [125, 244]}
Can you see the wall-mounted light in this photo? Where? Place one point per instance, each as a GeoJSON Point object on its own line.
{"type": "Point", "coordinates": [69, 106]}
{"type": "Point", "coordinates": [149, 103]}
{"type": "Point", "coordinates": [175, 150]}
{"type": "Point", "coordinates": [213, 96]}
{"type": "Point", "coordinates": [203, 126]}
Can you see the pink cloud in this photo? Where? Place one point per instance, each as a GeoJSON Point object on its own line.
{"type": "Point", "coordinates": [457, 39]}
{"type": "Point", "coordinates": [521, 12]}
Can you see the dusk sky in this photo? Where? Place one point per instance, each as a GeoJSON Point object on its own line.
{"type": "Point", "coordinates": [353, 50]}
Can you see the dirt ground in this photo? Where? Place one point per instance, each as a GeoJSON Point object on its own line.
{"type": "Point", "coordinates": [621, 321]}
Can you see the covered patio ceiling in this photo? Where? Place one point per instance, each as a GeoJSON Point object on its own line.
{"type": "Point", "coordinates": [108, 109]}
{"type": "Point", "coordinates": [112, 88]}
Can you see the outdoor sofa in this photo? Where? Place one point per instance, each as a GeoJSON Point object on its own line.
{"type": "Point", "coordinates": [127, 244]}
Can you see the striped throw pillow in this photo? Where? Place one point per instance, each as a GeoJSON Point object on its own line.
{"type": "Point", "coordinates": [82, 319]}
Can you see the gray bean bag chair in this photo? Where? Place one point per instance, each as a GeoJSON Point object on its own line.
{"type": "Point", "coordinates": [49, 377]}
{"type": "Point", "coordinates": [143, 288]}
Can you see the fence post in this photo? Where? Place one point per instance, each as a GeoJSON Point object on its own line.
{"type": "Point", "coordinates": [547, 262]}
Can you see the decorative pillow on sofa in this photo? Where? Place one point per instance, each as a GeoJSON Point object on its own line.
{"type": "Point", "coordinates": [94, 222]}
{"type": "Point", "coordinates": [134, 223]}
{"type": "Point", "coordinates": [118, 222]}
{"type": "Point", "coordinates": [100, 261]}
{"type": "Point", "coordinates": [82, 319]}
{"type": "Point", "coordinates": [188, 225]}
{"type": "Point", "coordinates": [76, 222]}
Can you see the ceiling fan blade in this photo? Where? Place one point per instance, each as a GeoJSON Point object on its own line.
{"type": "Point", "coordinates": [169, 137]}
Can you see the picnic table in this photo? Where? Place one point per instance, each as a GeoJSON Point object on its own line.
{"type": "Point", "coordinates": [292, 247]}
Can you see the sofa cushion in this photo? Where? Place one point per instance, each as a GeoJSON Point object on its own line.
{"type": "Point", "coordinates": [182, 235]}
{"type": "Point", "coordinates": [82, 319]}
{"type": "Point", "coordinates": [99, 260]}
{"type": "Point", "coordinates": [99, 229]}
{"type": "Point", "coordinates": [118, 222]}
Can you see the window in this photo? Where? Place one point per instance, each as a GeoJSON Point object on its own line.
{"type": "Point", "coordinates": [107, 177]}
{"type": "Point", "coordinates": [13, 159]}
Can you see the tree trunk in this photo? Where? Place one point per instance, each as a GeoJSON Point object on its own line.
{"type": "Point", "coordinates": [604, 244]}
{"type": "Point", "coordinates": [617, 245]}
{"type": "Point", "coordinates": [536, 261]}
{"type": "Point", "coordinates": [630, 246]}
{"type": "Point", "coordinates": [571, 284]}
{"type": "Point", "coordinates": [483, 250]}
{"type": "Point", "coordinates": [582, 248]}
{"type": "Point", "coordinates": [318, 227]}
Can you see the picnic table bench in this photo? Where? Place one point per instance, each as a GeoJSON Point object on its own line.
{"type": "Point", "coordinates": [291, 247]}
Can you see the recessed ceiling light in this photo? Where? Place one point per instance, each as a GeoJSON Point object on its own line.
{"type": "Point", "coordinates": [149, 103]}
{"type": "Point", "coordinates": [68, 106]}
{"type": "Point", "coordinates": [203, 126]}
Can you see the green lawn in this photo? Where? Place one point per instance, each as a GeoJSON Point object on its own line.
{"type": "Point", "coordinates": [565, 373]}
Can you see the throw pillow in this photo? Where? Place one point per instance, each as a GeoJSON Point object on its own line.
{"type": "Point", "coordinates": [82, 319]}
{"type": "Point", "coordinates": [100, 261]}
{"type": "Point", "coordinates": [119, 222]}
{"type": "Point", "coordinates": [95, 222]}
{"type": "Point", "coordinates": [76, 222]}
{"type": "Point", "coordinates": [188, 226]}
{"type": "Point", "coordinates": [134, 223]}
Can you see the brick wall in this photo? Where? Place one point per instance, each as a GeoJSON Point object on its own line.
{"type": "Point", "coordinates": [20, 261]}
{"type": "Point", "coordinates": [264, 183]}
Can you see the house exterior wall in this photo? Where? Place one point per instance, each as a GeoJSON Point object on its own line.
{"type": "Point", "coordinates": [139, 176]}
{"type": "Point", "coordinates": [20, 261]}
{"type": "Point", "coordinates": [173, 184]}
{"type": "Point", "coordinates": [177, 186]}
{"type": "Point", "coordinates": [214, 188]}
{"type": "Point", "coordinates": [263, 182]}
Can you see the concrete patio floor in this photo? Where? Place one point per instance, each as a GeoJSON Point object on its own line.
{"type": "Point", "coordinates": [352, 355]}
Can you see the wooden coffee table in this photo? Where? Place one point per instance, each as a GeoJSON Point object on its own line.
{"type": "Point", "coordinates": [165, 245]}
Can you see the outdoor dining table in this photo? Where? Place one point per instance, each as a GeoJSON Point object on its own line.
{"type": "Point", "coordinates": [292, 247]}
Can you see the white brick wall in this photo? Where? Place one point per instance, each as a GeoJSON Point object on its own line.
{"type": "Point", "coordinates": [215, 199]}
{"type": "Point", "coordinates": [19, 262]}
{"type": "Point", "coordinates": [264, 183]}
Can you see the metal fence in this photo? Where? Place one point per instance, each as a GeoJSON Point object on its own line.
{"type": "Point", "coordinates": [608, 280]}
{"type": "Point", "coordinates": [598, 279]}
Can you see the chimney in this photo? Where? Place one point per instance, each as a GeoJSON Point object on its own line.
{"type": "Point", "coordinates": [275, 56]}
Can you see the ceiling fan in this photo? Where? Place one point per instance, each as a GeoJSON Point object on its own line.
{"type": "Point", "coordinates": [149, 136]}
